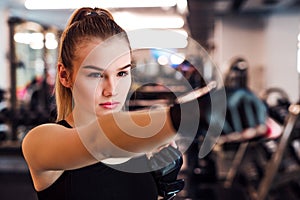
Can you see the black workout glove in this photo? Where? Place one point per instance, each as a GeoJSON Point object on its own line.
{"type": "Point", "coordinates": [166, 165]}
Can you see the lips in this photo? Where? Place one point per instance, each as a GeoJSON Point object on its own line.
{"type": "Point", "coordinates": [109, 105]}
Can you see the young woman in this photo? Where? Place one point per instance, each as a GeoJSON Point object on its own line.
{"type": "Point", "coordinates": [93, 80]}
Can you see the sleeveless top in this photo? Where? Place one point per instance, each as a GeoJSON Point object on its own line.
{"type": "Point", "coordinates": [101, 182]}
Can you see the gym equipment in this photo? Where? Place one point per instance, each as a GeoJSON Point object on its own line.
{"type": "Point", "coordinates": [272, 166]}
{"type": "Point", "coordinates": [278, 103]}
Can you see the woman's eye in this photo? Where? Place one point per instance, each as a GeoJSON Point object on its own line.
{"type": "Point", "coordinates": [123, 73]}
{"type": "Point", "coordinates": [95, 75]}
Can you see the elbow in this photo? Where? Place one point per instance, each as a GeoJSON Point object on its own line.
{"type": "Point", "coordinates": [25, 146]}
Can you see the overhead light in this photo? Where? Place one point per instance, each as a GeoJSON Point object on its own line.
{"type": "Point", "coordinates": [182, 6]}
{"type": "Point", "coordinates": [156, 38]}
{"type": "Point", "coordinates": [67, 4]}
{"type": "Point", "coordinates": [50, 41]}
{"type": "Point", "coordinates": [36, 40]}
{"type": "Point", "coordinates": [163, 60]}
{"type": "Point", "coordinates": [177, 58]}
{"type": "Point", "coordinates": [36, 45]}
{"type": "Point", "coordinates": [138, 21]}
{"type": "Point", "coordinates": [27, 38]}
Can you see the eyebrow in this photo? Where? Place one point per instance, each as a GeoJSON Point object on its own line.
{"type": "Point", "coordinates": [100, 69]}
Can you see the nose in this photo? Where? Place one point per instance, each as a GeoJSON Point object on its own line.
{"type": "Point", "coordinates": [109, 86]}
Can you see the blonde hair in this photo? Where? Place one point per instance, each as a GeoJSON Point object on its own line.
{"type": "Point", "coordinates": [84, 25]}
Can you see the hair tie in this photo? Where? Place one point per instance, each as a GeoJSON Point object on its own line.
{"type": "Point", "coordinates": [92, 13]}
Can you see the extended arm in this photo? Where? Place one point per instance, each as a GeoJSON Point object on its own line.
{"type": "Point", "coordinates": [128, 134]}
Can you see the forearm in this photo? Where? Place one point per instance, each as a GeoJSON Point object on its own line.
{"type": "Point", "coordinates": [127, 134]}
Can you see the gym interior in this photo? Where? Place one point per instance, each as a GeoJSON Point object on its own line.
{"type": "Point", "coordinates": [255, 41]}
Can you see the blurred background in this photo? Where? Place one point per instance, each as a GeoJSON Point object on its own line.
{"type": "Point", "coordinates": [263, 33]}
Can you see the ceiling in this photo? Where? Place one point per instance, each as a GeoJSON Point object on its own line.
{"type": "Point", "coordinates": [200, 18]}
{"type": "Point", "coordinates": [203, 12]}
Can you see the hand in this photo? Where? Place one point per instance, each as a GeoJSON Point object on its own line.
{"type": "Point", "coordinates": [166, 165]}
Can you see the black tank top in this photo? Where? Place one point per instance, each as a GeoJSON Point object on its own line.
{"type": "Point", "coordinates": [101, 182]}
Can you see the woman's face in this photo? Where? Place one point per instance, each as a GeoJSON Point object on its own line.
{"type": "Point", "coordinates": [102, 76]}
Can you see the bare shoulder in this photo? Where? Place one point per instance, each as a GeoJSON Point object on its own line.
{"type": "Point", "coordinates": [48, 127]}
{"type": "Point", "coordinates": [38, 131]}
{"type": "Point", "coordinates": [54, 147]}
{"type": "Point", "coordinates": [38, 141]}
{"type": "Point", "coordinates": [39, 135]}
{"type": "Point", "coordinates": [49, 149]}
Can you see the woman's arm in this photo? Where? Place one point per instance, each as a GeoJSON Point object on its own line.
{"type": "Point", "coordinates": [54, 147]}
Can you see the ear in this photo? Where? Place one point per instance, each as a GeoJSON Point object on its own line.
{"type": "Point", "coordinates": [64, 75]}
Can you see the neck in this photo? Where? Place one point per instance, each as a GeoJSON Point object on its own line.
{"type": "Point", "coordinates": [77, 118]}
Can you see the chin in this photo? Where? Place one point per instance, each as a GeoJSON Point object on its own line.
{"type": "Point", "coordinates": [106, 111]}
